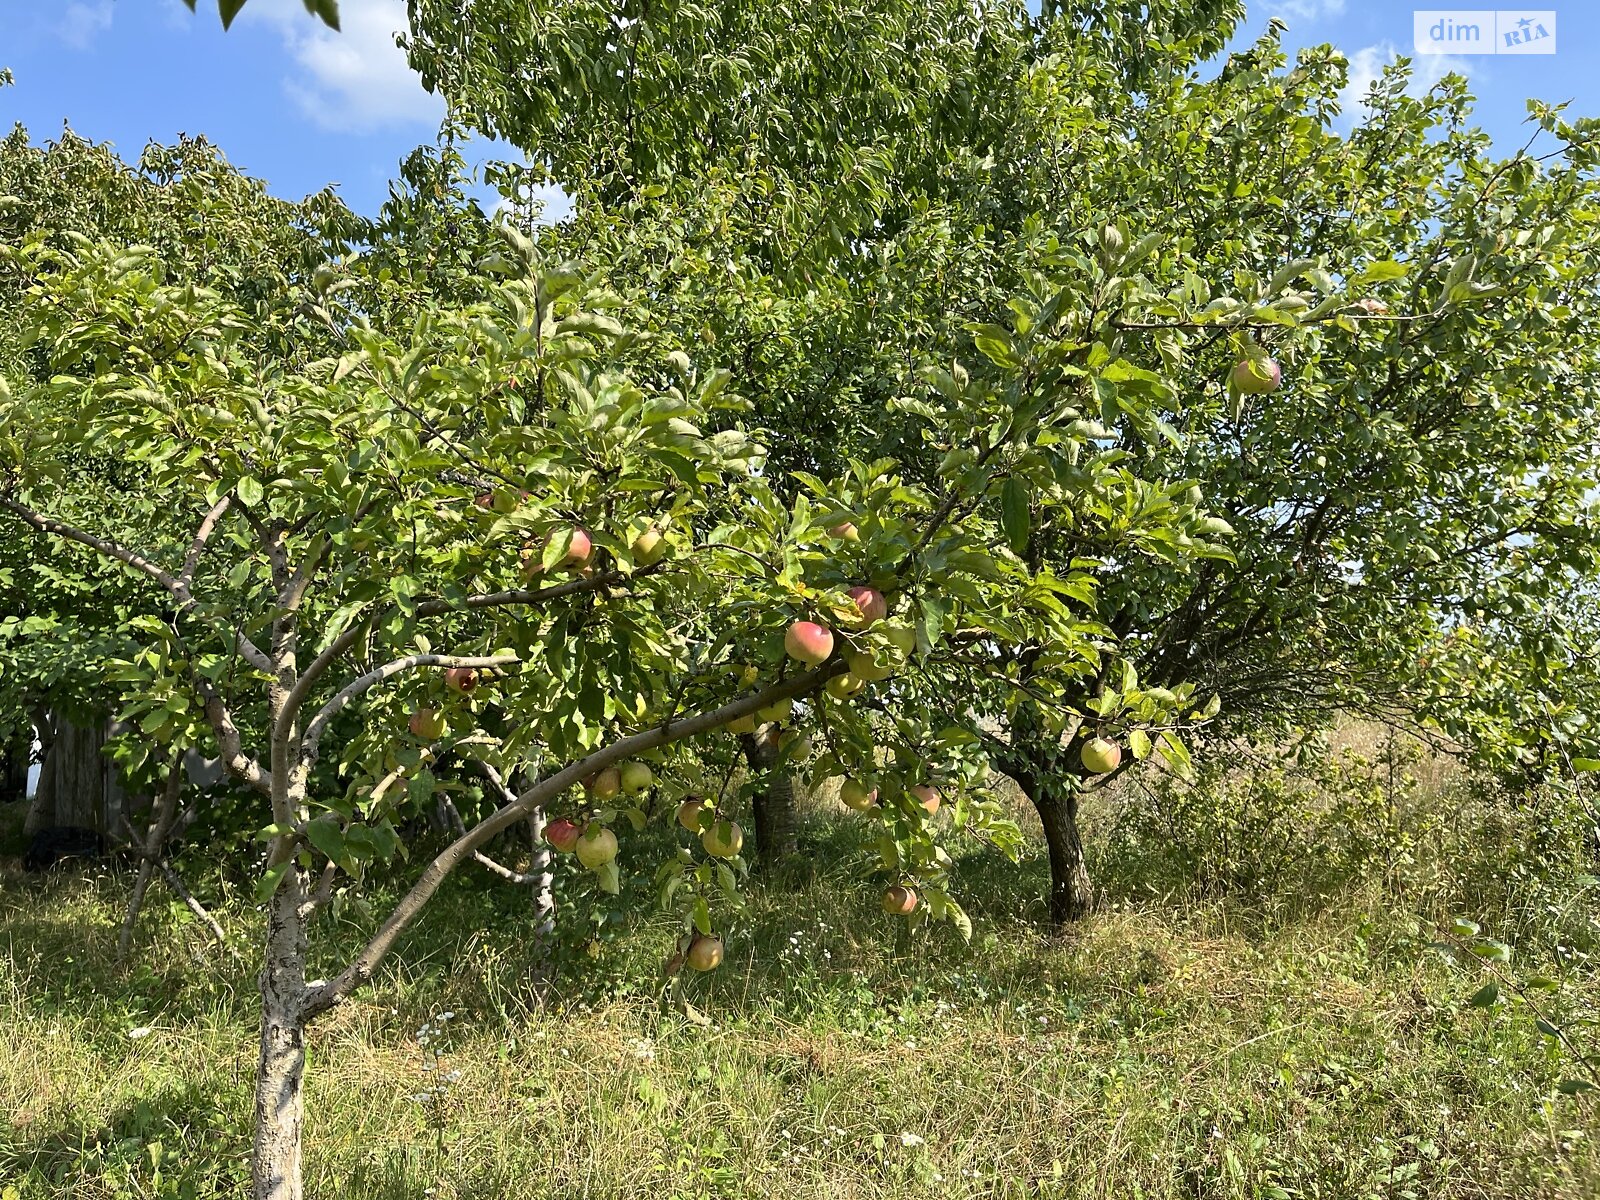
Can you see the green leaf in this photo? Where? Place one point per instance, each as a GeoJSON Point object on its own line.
{"type": "Point", "coordinates": [229, 10]}
{"type": "Point", "coordinates": [1574, 1087]}
{"type": "Point", "coordinates": [268, 883]}
{"type": "Point", "coordinates": [325, 835]}
{"type": "Point", "coordinates": [1014, 514]}
{"type": "Point", "coordinates": [327, 10]}
{"type": "Point", "coordinates": [1139, 743]}
{"type": "Point", "coordinates": [609, 878]}
{"type": "Point", "coordinates": [1485, 996]}
{"type": "Point", "coordinates": [249, 491]}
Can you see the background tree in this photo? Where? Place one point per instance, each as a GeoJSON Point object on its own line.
{"type": "Point", "coordinates": [827, 210]}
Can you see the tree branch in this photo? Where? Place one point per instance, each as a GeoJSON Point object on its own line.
{"type": "Point", "coordinates": [360, 968]}
{"type": "Point", "coordinates": [191, 560]}
{"type": "Point", "coordinates": [328, 711]}
{"type": "Point", "coordinates": [178, 587]}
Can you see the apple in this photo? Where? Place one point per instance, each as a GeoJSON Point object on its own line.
{"type": "Point", "coordinates": [689, 813]}
{"type": "Point", "coordinates": [1100, 755]}
{"type": "Point", "coordinates": [798, 745]}
{"type": "Point", "coordinates": [636, 778]}
{"type": "Point", "coordinates": [744, 724]}
{"type": "Point", "coordinates": [857, 795]}
{"type": "Point", "coordinates": [562, 833]}
{"type": "Point", "coordinates": [461, 679]}
{"type": "Point", "coordinates": [862, 666]}
{"type": "Point", "coordinates": [578, 551]}
{"type": "Point", "coordinates": [604, 785]}
{"type": "Point", "coordinates": [870, 605]}
{"type": "Point", "coordinates": [597, 846]}
{"type": "Point", "coordinates": [427, 724]}
{"type": "Point", "coordinates": [484, 499]}
{"type": "Point", "coordinates": [842, 687]}
{"type": "Point", "coordinates": [927, 797]}
{"type": "Point", "coordinates": [777, 711]}
{"type": "Point", "coordinates": [899, 901]}
{"type": "Point", "coordinates": [1257, 379]}
{"type": "Point", "coordinates": [723, 839]}
{"type": "Point", "coordinates": [845, 531]}
{"type": "Point", "coordinates": [649, 548]}
{"type": "Point", "coordinates": [808, 642]}
{"type": "Point", "coordinates": [902, 637]}
{"type": "Point", "coordinates": [705, 953]}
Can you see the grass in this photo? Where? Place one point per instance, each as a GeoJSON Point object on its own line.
{"type": "Point", "coordinates": [1181, 1048]}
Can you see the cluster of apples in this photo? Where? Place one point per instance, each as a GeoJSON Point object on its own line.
{"type": "Point", "coordinates": [594, 844]}
{"type": "Point", "coordinates": [648, 547]}
{"type": "Point", "coordinates": [429, 723]}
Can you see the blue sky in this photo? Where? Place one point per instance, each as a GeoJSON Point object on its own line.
{"type": "Point", "coordinates": [301, 106]}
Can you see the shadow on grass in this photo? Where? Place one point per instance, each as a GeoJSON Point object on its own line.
{"type": "Point", "coordinates": [183, 1142]}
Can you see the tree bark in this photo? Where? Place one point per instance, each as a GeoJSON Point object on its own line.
{"type": "Point", "coordinates": [280, 1072]}
{"type": "Point", "coordinates": [1071, 892]}
{"type": "Point", "coordinates": [773, 806]}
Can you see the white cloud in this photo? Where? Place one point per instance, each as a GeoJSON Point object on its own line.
{"type": "Point", "coordinates": [1366, 68]}
{"type": "Point", "coordinates": [82, 21]}
{"type": "Point", "coordinates": [1305, 10]}
{"type": "Point", "coordinates": [354, 80]}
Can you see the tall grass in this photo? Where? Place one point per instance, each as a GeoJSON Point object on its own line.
{"type": "Point", "coordinates": [1191, 1040]}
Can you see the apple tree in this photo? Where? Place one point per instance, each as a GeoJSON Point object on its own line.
{"type": "Point", "coordinates": [1411, 447]}
{"type": "Point", "coordinates": [519, 535]}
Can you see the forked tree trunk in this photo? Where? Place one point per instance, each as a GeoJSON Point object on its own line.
{"type": "Point", "coordinates": [280, 1073]}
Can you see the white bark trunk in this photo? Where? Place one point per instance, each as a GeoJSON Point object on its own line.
{"type": "Point", "coordinates": [280, 1075]}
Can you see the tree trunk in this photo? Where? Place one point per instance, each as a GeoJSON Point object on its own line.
{"type": "Point", "coordinates": [541, 866]}
{"type": "Point", "coordinates": [280, 1073]}
{"type": "Point", "coordinates": [1071, 893]}
{"type": "Point", "coordinates": [773, 806]}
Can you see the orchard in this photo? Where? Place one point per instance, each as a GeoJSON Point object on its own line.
{"type": "Point", "coordinates": [927, 446]}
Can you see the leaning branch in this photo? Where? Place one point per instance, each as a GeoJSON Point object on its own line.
{"type": "Point", "coordinates": [371, 679]}
{"type": "Point", "coordinates": [178, 587]}
{"type": "Point", "coordinates": [360, 969]}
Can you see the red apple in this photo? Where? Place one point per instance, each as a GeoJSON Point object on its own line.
{"type": "Point", "coordinates": [927, 797]}
{"type": "Point", "coordinates": [870, 604]}
{"type": "Point", "coordinates": [461, 679]}
{"type": "Point", "coordinates": [899, 901]}
{"type": "Point", "coordinates": [562, 833]}
{"type": "Point", "coordinates": [845, 531]}
{"type": "Point", "coordinates": [1256, 379]}
{"type": "Point", "coordinates": [808, 642]}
